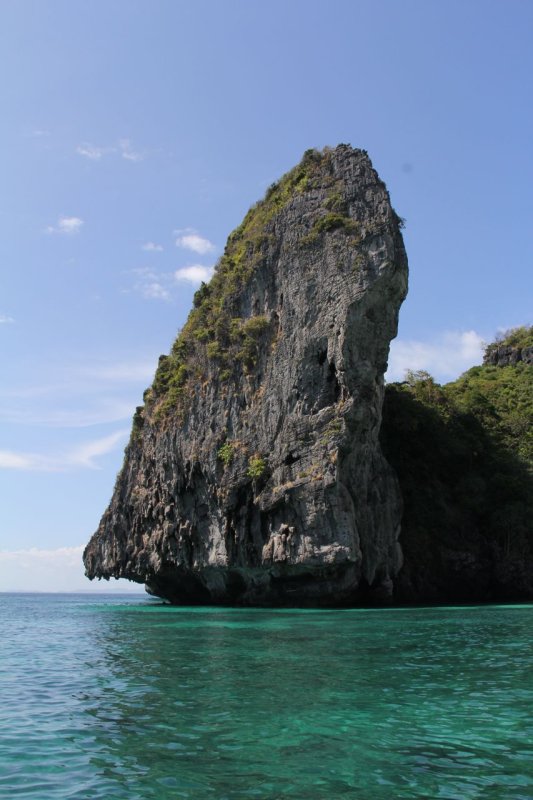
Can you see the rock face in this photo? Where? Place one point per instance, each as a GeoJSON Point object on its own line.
{"type": "Point", "coordinates": [506, 355]}
{"type": "Point", "coordinates": [254, 473]}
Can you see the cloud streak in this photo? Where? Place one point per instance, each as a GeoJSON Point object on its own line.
{"type": "Point", "coordinates": [154, 291]}
{"type": "Point", "coordinates": [94, 393]}
{"type": "Point", "coordinates": [152, 247]}
{"type": "Point", "coordinates": [189, 239]}
{"type": "Point", "coordinates": [150, 284]}
{"type": "Point", "coordinates": [154, 285]}
{"type": "Point", "coordinates": [120, 372]}
{"type": "Point", "coordinates": [60, 569]}
{"type": "Point", "coordinates": [127, 151]}
{"type": "Point", "coordinates": [92, 152]}
{"type": "Point", "coordinates": [67, 555]}
{"type": "Point", "coordinates": [83, 456]}
{"type": "Point", "coordinates": [88, 379]}
{"type": "Point", "coordinates": [5, 319]}
{"type": "Point", "coordinates": [124, 149]}
{"type": "Point", "coordinates": [66, 225]}
{"type": "Point", "coordinates": [194, 274]}
{"type": "Point", "coordinates": [103, 411]}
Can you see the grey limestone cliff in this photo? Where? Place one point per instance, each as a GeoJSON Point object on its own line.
{"type": "Point", "coordinates": [254, 473]}
{"type": "Point", "coordinates": [507, 355]}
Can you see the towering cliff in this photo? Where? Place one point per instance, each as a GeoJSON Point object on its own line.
{"type": "Point", "coordinates": [254, 472]}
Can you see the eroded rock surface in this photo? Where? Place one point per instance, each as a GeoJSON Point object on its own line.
{"type": "Point", "coordinates": [506, 355]}
{"type": "Point", "coordinates": [254, 473]}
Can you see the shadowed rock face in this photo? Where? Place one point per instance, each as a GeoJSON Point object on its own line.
{"type": "Point", "coordinates": [254, 473]}
{"type": "Point", "coordinates": [506, 355]}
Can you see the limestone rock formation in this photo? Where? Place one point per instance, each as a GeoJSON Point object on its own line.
{"type": "Point", "coordinates": [506, 355]}
{"type": "Point", "coordinates": [254, 474]}
{"type": "Point", "coordinates": [512, 347]}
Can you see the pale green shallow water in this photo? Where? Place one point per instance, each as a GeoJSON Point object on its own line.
{"type": "Point", "coordinates": [125, 699]}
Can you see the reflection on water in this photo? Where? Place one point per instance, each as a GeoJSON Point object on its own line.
{"type": "Point", "coordinates": [126, 699]}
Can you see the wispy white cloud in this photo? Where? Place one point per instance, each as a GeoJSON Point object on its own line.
{"type": "Point", "coordinates": [123, 149]}
{"type": "Point", "coordinates": [68, 555]}
{"type": "Point", "coordinates": [151, 285]}
{"type": "Point", "coordinates": [5, 319]}
{"type": "Point", "coordinates": [154, 285]}
{"type": "Point", "coordinates": [194, 274]}
{"type": "Point", "coordinates": [154, 291]}
{"type": "Point", "coordinates": [128, 152]}
{"type": "Point", "coordinates": [38, 133]}
{"type": "Point", "coordinates": [90, 377]}
{"type": "Point", "coordinates": [445, 357]}
{"type": "Point", "coordinates": [60, 569]}
{"type": "Point", "coordinates": [92, 152]}
{"type": "Point", "coordinates": [122, 371]}
{"type": "Point", "coordinates": [66, 225]}
{"type": "Point", "coordinates": [143, 272]}
{"type": "Point", "coordinates": [87, 411]}
{"type": "Point", "coordinates": [83, 455]}
{"type": "Point", "coordinates": [11, 460]}
{"type": "Point", "coordinates": [152, 247]}
{"type": "Point", "coordinates": [190, 239]}
{"type": "Point", "coordinates": [79, 396]}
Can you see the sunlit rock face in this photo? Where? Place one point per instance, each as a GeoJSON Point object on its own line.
{"type": "Point", "coordinates": [254, 473]}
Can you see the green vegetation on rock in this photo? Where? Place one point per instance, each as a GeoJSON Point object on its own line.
{"type": "Point", "coordinates": [464, 458]}
{"type": "Point", "coordinates": [251, 333]}
{"type": "Point", "coordinates": [501, 399]}
{"type": "Point", "coordinates": [256, 467]}
{"type": "Point", "coordinates": [517, 338]}
{"type": "Point", "coordinates": [226, 453]}
{"type": "Point", "coordinates": [138, 422]}
{"type": "Point", "coordinates": [330, 222]}
{"type": "Point", "coordinates": [215, 334]}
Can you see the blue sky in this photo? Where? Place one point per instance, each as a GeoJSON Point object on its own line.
{"type": "Point", "coordinates": [133, 138]}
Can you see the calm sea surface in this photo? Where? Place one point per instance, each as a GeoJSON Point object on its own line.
{"type": "Point", "coordinates": [122, 698]}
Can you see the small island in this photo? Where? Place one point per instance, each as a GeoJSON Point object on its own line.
{"type": "Point", "coordinates": [270, 465]}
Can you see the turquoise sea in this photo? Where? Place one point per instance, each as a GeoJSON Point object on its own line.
{"type": "Point", "coordinates": [123, 698]}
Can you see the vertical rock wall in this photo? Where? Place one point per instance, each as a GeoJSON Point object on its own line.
{"type": "Point", "coordinates": [254, 473]}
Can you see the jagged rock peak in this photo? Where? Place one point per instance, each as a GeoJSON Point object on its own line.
{"type": "Point", "coordinates": [254, 473]}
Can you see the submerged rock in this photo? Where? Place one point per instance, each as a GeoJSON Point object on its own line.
{"type": "Point", "coordinates": [254, 473]}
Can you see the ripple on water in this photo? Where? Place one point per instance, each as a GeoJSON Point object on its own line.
{"type": "Point", "coordinates": [125, 699]}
